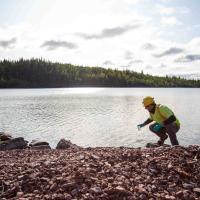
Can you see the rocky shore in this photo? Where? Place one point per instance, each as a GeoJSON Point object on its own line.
{"type": "Point", "coordinates": [100, 173]}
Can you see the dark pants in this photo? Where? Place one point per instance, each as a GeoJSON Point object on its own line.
{"type": "Point", "coordinates": [170, 129]}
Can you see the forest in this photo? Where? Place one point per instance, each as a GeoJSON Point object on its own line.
{"type": "Point", "coordinates": [39, 73]}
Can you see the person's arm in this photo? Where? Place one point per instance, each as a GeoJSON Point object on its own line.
{"type": "Point", "coordinates": [147, 122]}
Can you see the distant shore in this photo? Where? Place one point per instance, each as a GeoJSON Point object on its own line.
{"type": "Point", "coordinates": [101, 173]}
{"type": "Point", "coordinates": [38, 73]}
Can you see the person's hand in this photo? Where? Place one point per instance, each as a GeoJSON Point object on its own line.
{"type": "Point", "coordinates": [139, 126]}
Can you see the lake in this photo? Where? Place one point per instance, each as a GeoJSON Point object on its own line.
{"type": "Point", "coordinates": [95, 116]}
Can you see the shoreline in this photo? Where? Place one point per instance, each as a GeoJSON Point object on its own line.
{"type": "Point", "coordinates": [101, 173]}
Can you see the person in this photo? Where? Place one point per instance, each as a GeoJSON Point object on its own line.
{"type": "Point", "coordinates": [165, 122]}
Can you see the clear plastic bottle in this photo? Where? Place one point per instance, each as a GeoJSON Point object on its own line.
{"type": "Point", "coordinates": [138, 127]}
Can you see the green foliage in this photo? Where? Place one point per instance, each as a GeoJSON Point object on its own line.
{"type": "Point", "coordinates": [37, 73]}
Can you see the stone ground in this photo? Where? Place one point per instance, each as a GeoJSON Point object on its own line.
{"type": "Point", "coordinates": [101, 173]}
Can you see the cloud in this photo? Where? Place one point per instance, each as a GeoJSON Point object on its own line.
{"type": "Point", "coordinates": [169, 11]}
{"type": "Point", "coordinates": [128, 55]}
{"type": "Point", "coordinates": [110, 32]}
{"type": "Point", "coordinates": [184, 10]}
{"type": "Point", "coordinates": [189, 58]}
{"type": "Point", "coordinates": [148, 67]}
{"type": "Point", "coordinates": [149, 46]}
{"type": "Point", "coordinates": [194, 43]}
{"type": "Point", "coordinates": [135, 61]}
{"type": "Point", "coordinates": [166, 10]}
{"type": "Point", "coordinates": [108, 62]}
{"type": "Point", "coordinates": [131, 63]}
{"type": "Point", "coordinates": [165, 1]}
{"type": "Point", "coordinates": [53, 45]}
{"type": "Point", "coordinates": [169, 52]}
{"type": "Point", "coordinates": [162, 66]}
{"type": "Point", "coordinates": [8, 43]}
{"type": "Point", "coordinates": [170, 21]}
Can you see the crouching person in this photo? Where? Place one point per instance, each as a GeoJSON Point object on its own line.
{"type": "Point", "coordinates": [165, 122]}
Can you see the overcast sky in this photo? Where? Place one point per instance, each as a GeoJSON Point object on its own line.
{"type": "Point", "coordinates": [157, 36]}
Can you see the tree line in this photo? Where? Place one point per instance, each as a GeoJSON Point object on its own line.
{"type": "Point", "coordinates": [38, 73]}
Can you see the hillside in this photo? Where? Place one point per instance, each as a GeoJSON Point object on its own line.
{"type": "Point", "coordinates": [37, 73]}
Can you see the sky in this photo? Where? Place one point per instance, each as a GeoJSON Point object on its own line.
{"type": "Point", "coordinates": [158, 37]}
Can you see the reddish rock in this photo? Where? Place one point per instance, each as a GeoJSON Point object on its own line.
{"type": "Point", "coordinates": [53, 187]}
{"type": "Point", "coordinates": [65, 144]}
{"type": "Point", "coordinates": [101, 173]}
{"type": "Point", "coordinates": [196, 190]}
{"type": "Point", "coordinates": [95, 190]}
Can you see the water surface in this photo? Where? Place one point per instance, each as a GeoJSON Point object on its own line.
{"type": "Point", "coordinates": [95, 116]}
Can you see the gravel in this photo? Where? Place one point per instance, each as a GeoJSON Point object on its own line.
{"type": "Point", "coordinates": [101, 173]}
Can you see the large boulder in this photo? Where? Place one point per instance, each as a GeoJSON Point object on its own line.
{"type": "Point", "coordinates": [5, 136]}
{"type": "Point", "coordinates": [36, 144]}
{"type": "Point", "coordinates": [16, 143]}
{"type": "Point", "coordinates": [65, 144]}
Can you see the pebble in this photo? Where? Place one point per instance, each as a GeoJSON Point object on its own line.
{"type": "Point", "coordinates": [100, 173]}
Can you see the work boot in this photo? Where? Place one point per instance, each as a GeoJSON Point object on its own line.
{"type": "Point", "coordinates": [162, 140]}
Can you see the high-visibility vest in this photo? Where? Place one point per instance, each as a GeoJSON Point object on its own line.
{"type": "Point", "coordinates": [161, 114]}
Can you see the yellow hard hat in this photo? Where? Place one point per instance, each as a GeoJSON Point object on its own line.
{"type": "Point", "coordinates": [148, 101]}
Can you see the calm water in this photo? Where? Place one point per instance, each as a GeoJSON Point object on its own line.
{"type": "Point", "coordinates": [95, 116]}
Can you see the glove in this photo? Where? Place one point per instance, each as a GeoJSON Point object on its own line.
{"type": "Point", "coordinates": [139, 126]}
{"type": "Point", "coordinates": [157, 127]}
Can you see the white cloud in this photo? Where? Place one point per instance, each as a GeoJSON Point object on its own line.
{"type": "Point", "coordinates": [166, 10]}
{"type": "Point", "coordinates": [194, 45]}
{"type": "Point", "coordinates": [108, 62]}
{"type": "Point", "coordinates": [170, 11]}
{"type": "Point", "coordinates": [148, 46]}
{"type": "Point", "coordinates": [170, 21]}
{"type": "Point", "coordinates": [128, 55]}
{"type": "Point", "coordinates": [166, 1]}
{"type": "Point", "coordinates": [184, 10]}
{"type": "Point", "coordinates": [112, 40]}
